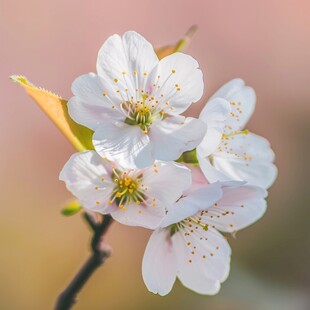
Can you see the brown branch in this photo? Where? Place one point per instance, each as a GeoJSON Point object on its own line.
{"type": "Point", "coordinates": [100, 252]}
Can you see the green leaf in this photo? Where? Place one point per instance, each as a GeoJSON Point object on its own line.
{"type": "Point", "coordinates": [189, 157]}
{"type": "Point", "coordinates": [56, 109]}
{"type": "Point", "coordinates": [71, 208]}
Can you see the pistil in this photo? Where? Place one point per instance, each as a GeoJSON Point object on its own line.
{"type": "Point", "coordinates": [127, 189]}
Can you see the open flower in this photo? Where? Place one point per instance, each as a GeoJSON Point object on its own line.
{"type": "Point", "coordinates": [134, 101]}
{"type": "Point", "coordinates": [228, 151]}
{"type": "Point", "coordinates": [188, 245]}
{"type": "Point", "coordinates": [133, 197]}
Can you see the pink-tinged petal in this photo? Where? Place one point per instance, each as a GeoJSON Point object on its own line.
{"type": "Point", "coordinates": [159, 263]}
{"type": "Point", "coordinates": [214, 115]}
{"type": "Point", "coordinates": [203, 259]}
{"type": "Point", "coordinates": [175, 135]}
{"type": "Point", "coordinates": [236, 192]}
{"type": "Point", "coordinates": [127, 63]}
{"type": "Point", "coordinates": [86, 176]}
{"type": "Point", "coordinates": [180, 83]}
{"type": "Point", "coordinates": [249, 158]}
{"type": "Point", "coordinates": [89, 107]}
{"type": "Point", "coordinates": [242, 99]}
{"type": "Point", "coordinates": [140, 215]}
{"type": "Point", "coordinates": [166, 181]}
{"type": "Point", "coordinates": [198, 200]}
{"type": "Point", "coordinates": [128, 145]}
{"type": "Point", "coordinates": [239, 208]}
{"type": "Point", "coordinates": [198, 179]}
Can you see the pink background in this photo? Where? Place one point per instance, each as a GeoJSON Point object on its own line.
{"type": "Point", "coordinates": [267, 43]}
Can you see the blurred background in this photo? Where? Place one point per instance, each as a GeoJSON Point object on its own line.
{"type": "Point", "coordinates": [267, 43]}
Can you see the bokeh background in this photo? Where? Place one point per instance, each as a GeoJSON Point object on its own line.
{"type": "Point", "coordinates": [267, 43]}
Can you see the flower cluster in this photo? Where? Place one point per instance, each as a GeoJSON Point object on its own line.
{"type": "Point", "coordinates": [187, 179]}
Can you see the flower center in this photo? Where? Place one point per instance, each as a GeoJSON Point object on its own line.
{"type": "Point", "coordinates": [142, 113]}
{"type": "Point", "coordinates": [174, 228]}
{"type": "Point", "coordinates": [127, 189]}
{"type": "Point", "coordinates": [190, 221]}
{"type": "Point", "coordinates": [142, 100]}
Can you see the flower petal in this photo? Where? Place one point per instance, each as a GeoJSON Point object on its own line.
{"type": "Point", "coordinates": [126, 63]}
{"type": "Point", "coordinates": [214, 115]}
{"type": "Point", "coordinates": [256, 173]}
{"type": "Point", "coordinates": [216, 111]}
{"type": "Point", "coordinates": [159, 263]}
{"type": "Point", "coordinates": [83, 175]}
{"type": "Point", "coordinates": [196, 201]}
{"type": "Point", "coordinates": [89, 107]}
{"type": "Point", "coordinates": [180, 83]}
{"type": "Point", "coordinates": [203, 259]}
{"type": "Point", "coordinates": [126, 144]}
{"type": "Point", "coordinates": [239, 208]}
{"type": "Point", "coordinates": [166, 182]}
{"type": "Point", "coordinates": [242, 99]}
{"type": "Point", "coordinates": [210, 172]}
{"type": "Point", "coordinates": [140, 215]}
{"type": "Point", "coordinates": [198, 179]}
{"type": "Point", "coordinates": [175, 135]}
{"type": "Point", "coordinates": [250, 159]}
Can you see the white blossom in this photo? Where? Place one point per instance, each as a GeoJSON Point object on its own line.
{"type": "Point", "coordinates": [133, 197]}
{"type": "Point", "coordinates": [134, 102]}
{"type": "Point", "coordinates": [228, 150]}
{"type": "Point", "coordinates": [188, 244]}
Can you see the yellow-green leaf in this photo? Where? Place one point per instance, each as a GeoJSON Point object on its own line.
{"type": "Point", "coordinates": [178, 47]}
{"type": "Point", "coordinates": [56, 109]}
{"type": "Point", "coordinates": [71, 208]}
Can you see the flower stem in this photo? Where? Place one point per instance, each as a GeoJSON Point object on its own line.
{"type": "Point", "coordinates": [100, 252]}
